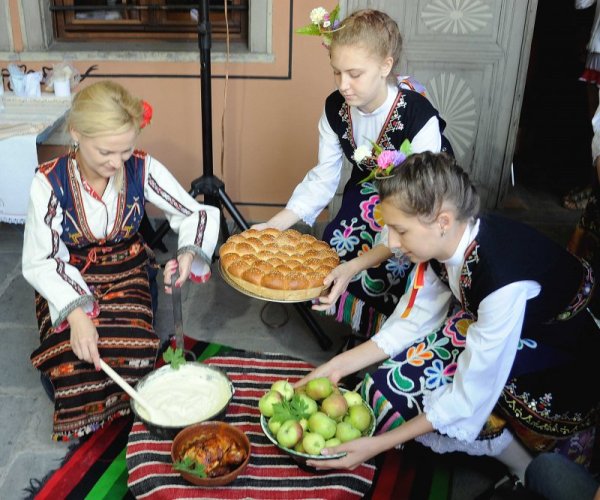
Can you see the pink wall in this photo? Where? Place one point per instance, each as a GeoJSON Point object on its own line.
{"type": "Point", "coordinates": [270, 123]}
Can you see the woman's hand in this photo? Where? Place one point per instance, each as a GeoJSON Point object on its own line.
{"type": "Point", "coordinates": [281, 220]}
{"type": "Point", "coordinates": [362, 449]}
{"type": "Point", "coordinates": [183, 263]}
{"type": "Point", "coordinates": [343, 274]}
{"type": "Point", "coordinates": [366, 354]}
{"type": "Point", "coordinates": [357, 451]}
{"type": "Point", "coordinates": [84, 337]}
{"type": "Point", "coordinates": [325, 370]}
{"type": "Point", "coordinates": [338, 279]}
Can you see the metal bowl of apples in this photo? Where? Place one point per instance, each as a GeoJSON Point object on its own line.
{"type": "Point", "coordinates": [303, 421]}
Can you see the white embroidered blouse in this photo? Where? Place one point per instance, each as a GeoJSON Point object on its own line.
{"type": "Point", "coordinates": [318, 187]}
{"type": "Point", "coordinates": [39, 263]}
{"type": "Point", "coordinates": [460, 409]}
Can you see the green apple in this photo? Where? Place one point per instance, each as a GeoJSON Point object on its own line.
{"type": "Point", "coordinates": [320, 423]}
{"type": "Point", "coordinates": [345, 432]}
{"type": "Point", "coordinates": [353, 398]}
{"type": "Point", "coordinates": [319, 388]}
{"type": "Point", "coordinates": [334, 406]}
{"type": "Point", "coordinates": [360, 417]}
{"type": "Point", "coordinates": [304, 423]}
{"type": "Point", "coordinates": [266, 402]}
{"type": "Point", "coordinates": [284, 388]}
{"type": "Point", "coordinates": [313, 443]}
{"type": "Point", "coordinates": [274, 426]}
{"type": "Point", "coordinates": [300, 390]}
{"type": "Point", "coordinates": [289, 433]}
{"type": "Point", "coordinates": [299, 448]}
{"type": "Point", "coordinates": [311, 404]}
{"type": "Point", "coordinates": [330, 443]}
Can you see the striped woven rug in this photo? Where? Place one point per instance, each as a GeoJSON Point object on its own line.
{"type": "Point", "coordinates": [97, 468]}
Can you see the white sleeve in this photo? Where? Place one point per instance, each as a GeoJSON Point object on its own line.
{"type": "Point", "coordinates": [196, 224]}
{"type": "Point", "coordinates": [584, 4]}
{"type": "Point", "coordinates": [461, 408]}
{"type": "Point", "coordinates": [596, 136]}
{"type": "Point", "coordinates": [428, 138]}
{"type": "Point", "coordinates": [45, 260]}
{"type": "Point", "coordinates": [427, 315]}
{"type": "Point", "coordinates": [318, 187]}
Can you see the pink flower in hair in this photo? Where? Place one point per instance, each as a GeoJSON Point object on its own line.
{"type": "Point", "coordinates": [389, 158]}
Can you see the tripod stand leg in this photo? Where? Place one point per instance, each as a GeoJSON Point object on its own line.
{"type": "Point", "coordinates": [224, 228]}
{"type": "Point", "coordinates": [233, 211]}
{"type": "Point", "coordinates": [305, 313]}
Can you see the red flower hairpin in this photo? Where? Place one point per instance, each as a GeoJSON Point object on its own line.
{"type": "Point", "coordinates": [147, 114]}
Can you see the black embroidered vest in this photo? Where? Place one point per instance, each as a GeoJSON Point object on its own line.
{"type": "Point", "coordinates": [406, 118]}
{"type": "Point", "coordinates": [130, 208]}
{"type": "Point", "coordinates": [506, 251]}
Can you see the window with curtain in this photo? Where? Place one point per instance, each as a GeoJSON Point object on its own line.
{"type": "Point", "coordinates": [144, 20]}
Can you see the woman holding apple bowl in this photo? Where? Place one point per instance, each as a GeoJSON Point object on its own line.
{"type": "Point", "coordinates": [509, 382]}
{"type": "Point", "coordinates": [309, 418]}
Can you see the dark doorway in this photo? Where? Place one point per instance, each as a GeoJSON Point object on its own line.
{"type": "Point", "coordinates": [553, 145]}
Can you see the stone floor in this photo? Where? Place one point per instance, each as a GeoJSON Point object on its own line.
{"type": "Point", "coordinates": [212, 312]}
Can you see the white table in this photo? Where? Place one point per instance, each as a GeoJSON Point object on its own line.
{"type": "Point", "coordinates": [24, 123]}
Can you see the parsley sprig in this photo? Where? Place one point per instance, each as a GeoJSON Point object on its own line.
{"type": "Point", "coordinates": [191, 466]}
{"type": "Point", "coordinates": [295, 409]}
{"type": "Point", "coordinates": [175, 357]}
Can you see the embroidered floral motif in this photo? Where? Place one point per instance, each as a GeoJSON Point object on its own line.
{"type": "Point", "coordinates": [346, 241]}
{"type": "Point", "coordinates": [537, 412]}
{"type": "Point", "coordinates": [471, 259]}
{"type": "Point", "coordinates": [370, 211]}
{"type": "Point", "coordinates": [530, 343]}
{"type": "Point", "coordinates": [438, 374]}
{"type": "Point", "coordinates": [456, 328]}
{"type": "Point", "coordinates": [466, 276]}
{"type": "Point", "coordinates": [582, 298]}
{"type": "Point", "coordinates": [416, 356]}
{"type": "Point", "coordinates": [398, 266]}
{"type": "Point", "coordinates": [132, 218]}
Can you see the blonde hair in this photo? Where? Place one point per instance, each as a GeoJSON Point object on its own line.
{"type": "Point", "coordinates": [105, 108]}
{"type": "Point", "coordinates": [373, 30]}
{"type": "Point", "coordinates": [425, 183]}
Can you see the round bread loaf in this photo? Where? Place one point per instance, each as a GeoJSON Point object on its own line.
{"type": "Point", "coordinates": [277, 265]}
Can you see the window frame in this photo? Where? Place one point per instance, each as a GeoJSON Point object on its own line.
{"type": "Point", "coordinates": [145, 24]}
{"type": "Point", "coordinates": [39, 42]}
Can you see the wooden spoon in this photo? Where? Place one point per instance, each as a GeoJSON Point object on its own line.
{"type": "Point", "coordinates": [156, 415]}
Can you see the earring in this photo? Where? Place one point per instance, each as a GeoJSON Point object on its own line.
{"type": "Point", "coordinates": [74, 147]}
{"type": "Point", "coordinates": [443, 232]}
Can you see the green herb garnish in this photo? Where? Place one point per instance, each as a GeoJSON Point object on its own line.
{"type": "Point", "coordinates": [175, 357]}
{"type": "Point", "coordinates": [190, 465]}
{"type": "Point", "coordinates": [295, 409]}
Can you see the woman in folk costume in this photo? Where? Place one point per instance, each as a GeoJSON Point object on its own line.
{"type": "Point", "coordinates": [529, 343]}
{"type": "Point", "coordinates": [88, 264]}
{"type": "Point", "coordinates": [371, 104]}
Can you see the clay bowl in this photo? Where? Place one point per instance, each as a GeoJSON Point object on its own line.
{"type": "Point", "coordinates": [205, 373]}
{"type": "Point", "coordinates": [301, 458]}
{"type": "Point", "coordinates": [189, 435]}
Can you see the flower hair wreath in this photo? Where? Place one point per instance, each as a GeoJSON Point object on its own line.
{"type": "Point", "coordinates": [322, 23]}
{"type": "Point", "coordinates": [386, 159]}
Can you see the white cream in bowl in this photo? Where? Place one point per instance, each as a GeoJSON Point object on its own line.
{"type": "Point", "coordinates": [190, 394]}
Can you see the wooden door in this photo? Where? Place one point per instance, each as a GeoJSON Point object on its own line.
{"type": "Point", "coordinates": [472, 57]}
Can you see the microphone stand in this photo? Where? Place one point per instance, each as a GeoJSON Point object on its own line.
{"type": "Point", "coordinates": [211, 186]}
